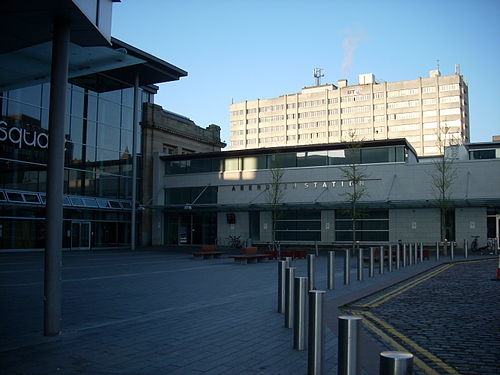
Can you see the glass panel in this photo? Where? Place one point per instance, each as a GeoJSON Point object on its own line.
{"type": "Point", "coordinates": [109, 113]}
{"type": "Point", "coordinates": [15, 197]}
{"type": "Point", "coordinates": [232, 164]}
{"type": "Point", "coordinates": [30, 95]}
{"type": "Point", "coordinates": [31, 198]}
{"type": "Point", "coordinates": [77, 103]}
{"type": "Point", "coordinates": [312, 159]}
{"type": "Point", "coordinates": [77, 129]}
{"type": "Point", "coordinates": [375, 155]}
{"type": "Point", "coordinates": [336, 157]}
{"type": "Point", "coordinates": [285, 160]}
{"type": "Point", "coordinates": [127, 117]}
{"type": "Point", "coordinates": [254, 162]}
{"type": "Point", "coordinates": [108, 137]}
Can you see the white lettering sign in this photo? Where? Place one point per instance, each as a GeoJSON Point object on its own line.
{"type": "Point", "coordinates": [23, 137]}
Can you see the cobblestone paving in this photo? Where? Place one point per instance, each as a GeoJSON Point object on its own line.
{"type": "Point", "coordinates": [454, 315]}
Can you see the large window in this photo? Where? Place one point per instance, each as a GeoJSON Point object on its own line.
{"type": "Point", "coordinates": [299, 225]}
{"type": "Point", "coordinates": [373, 225]}
{"type": "Point", "coordinates": [191, 195]}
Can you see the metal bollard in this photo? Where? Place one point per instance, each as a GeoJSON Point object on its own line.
{"type": "Point", "coordinates": [437, 250]}
{"type": "Point", "coordinates": [349, 329]}
{"type": "Point", "coordinates": [404, 255]}
{"type": "Point", "coordinates": [415, 245]}
{"type": "Point", "coordinates": [316, 339]}
{"type": "Point", "coordinates": [281, 285]}
{"type": "Point", "coordinates": [347, 268]}
{"type": "Point", "coordinates": [452, 250]}
{"type": "Point", "coordinates": [311, 271]}
{"type": "Point", "coordinates": [398, 256]}
{"type": "Point", "coordinates": [299, 314]}
{"type": "Point", "coordinates": [360, 264]}
{"type": "Point", "coordinates": [421, 252]}
{"type": "Point", "coordinates": [288, 261]}
{"type": "Point", "coordinates": [381, 260]}
{"type": "Point", "coordinates": [289, 294]}
{"type": "Point", "coordinates": [331, 270]}
{"type": "Point", "coordinates": [396, 363]}
{"type": "Point", "coordinates": [410, 254]}
{"type": "Point", "coordinates": [389, 260]}
{"type": "Point", "coordinates": [466, 249]}
{"type": "Point", "coordinates": [372, 262]}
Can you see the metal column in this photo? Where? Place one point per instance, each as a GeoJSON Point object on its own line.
{"type": "Point", "coordinates": [381, 260]}
{"type": "Point", "coordinates": [331, 270]}
{"type": "Point", "coordinates": [299, 314]}
{"type": "Point", "coordinates": [372, 262]}
{"type": "Point", "coordinates": [349, 329]}
{"type": "Point", "coordinates": [396, 363]}
{"type": "Point", "coordinates": [347, 268]}
{"type": "Point", "coordinates": [360, 264]}
{"type": "Point", "coordinates": [316, 341]}
{"type": "Point", "coordinates": [389, 260]}
{"type": "Point", "coordinates": [281, 285]}
{"type": "Point", "coordinates": [311, 271]}
{"type": "Point", "coordinates": [466, 249]}
{"type": "Point", "coordinates": [55, 178]}
{"type": "Point", "coordinates": [134, 163]}
{"type": "Point", "coordinates": [289, 294]}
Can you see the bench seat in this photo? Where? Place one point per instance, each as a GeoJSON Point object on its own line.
{"type": "Point", "coordinates": [249, 258]}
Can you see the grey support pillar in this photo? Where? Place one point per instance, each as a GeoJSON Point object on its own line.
{"type": "Point", "coordinates": [299, 314]}
{"type": "Point", "coordinates": [348, 359]}
{"type": "Point", "coordinates": [381, 260]}
{"type": "Point", "coordinates": [133, 229]}
{"type": "Point", "coordinates": [331, 270]}
{"type": "Point", "coordinates": [55, 178]}
{"type": "Point", "coordinates": [289, 294]}
{"type": "Point", "coordinates": [316, 341]}
{"type": "Point", "coordinates": [360, 264]}
{"type": "Point", "coordinates": [311, 271]}
{"type": "Point", "coordinates": [396, 363]}
{"type": "Point", "coordinates": [281, 285]}
{"type": "Point", "coordinates": [347, 267]}
{"type": "Point", "coordinates": [372, 262]}
{"type": "Point", "coordinates": [389, 259]}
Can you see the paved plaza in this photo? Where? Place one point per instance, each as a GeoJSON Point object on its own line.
{"type": "Point", "coordinates": [163, 312]}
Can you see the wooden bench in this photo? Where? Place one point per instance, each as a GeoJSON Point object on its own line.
{"type": "Point", "coordinates": [249, 255]}
{"type": "Point", "coordinates": [208, 252]}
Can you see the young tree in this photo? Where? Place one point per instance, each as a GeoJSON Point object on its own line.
{"type": "Point", "coordinates": [443, 175]}
{"type": "Point", "coordinates": [355, 174]}
{"type": "Point", "coordinates": [275, 194]}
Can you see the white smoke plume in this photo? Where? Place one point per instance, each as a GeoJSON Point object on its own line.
{"type": "Point", "coordinates": [350, 44]}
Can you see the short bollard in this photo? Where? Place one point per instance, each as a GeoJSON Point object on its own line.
{"type": "Point", "coordinates": [288, 261]}
{"type": "Point", "coordinates": [404, 255]}
{"type": "Point", "coordinates": [311, 271]}
{"type": "Point", "coordinates": [437, 250]}
{"type": "Point", "coordinates": [389, 259]}
{"type": "Point", "coordinates": [316, 340]}
{"type": "Point", "coordinates": [289, 294]}
{"type": "Point", "coordinates": [466, 249]}
{"type": "Point", "coordinates": [331, 270]}
{"type": "Point", "coordinates": [372, 262]}
{"type": "Point", "coordinates": [360, 264]}
{"type": "Point", "coordinates": [396, 363]}
{"type": "Point", "coordinates": [281, 285]}
{"type": "Point", "coordinates": [410, 254]}
{"type": "Point", "coordinates": [421, 252]}
{"type": "Point", "coordinates": [398, 256]}
{"type": "Point", "coordinates": [347, 267]}
{"type": "Point", "coordinates": [381, 260]}
{"type": "Point", "coordinates": [452, 250]}
{"type": "Point", "coordinates": [349, 329]}
{"type": "Point", "coordinates": [299, 314]}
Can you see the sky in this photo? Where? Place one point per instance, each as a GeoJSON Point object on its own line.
{"type": "Point", "coordinates": [235, 50]}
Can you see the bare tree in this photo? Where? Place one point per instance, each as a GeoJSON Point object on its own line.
{"type": "Point", "coordinates": [355, 175]}
{"type": "Point", "coordinates": [443, 175]}
{"type": "Point", "coordinates": [275, 194]}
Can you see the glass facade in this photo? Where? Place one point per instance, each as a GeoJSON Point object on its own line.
{"type": "Point", "coordinates": [391, 154]}
{"type": "Point", "coordinates": [373, 225]}
{"type": "Point", "coordinates": [97, 164]}
{"type": "Point", "coordinates": [298, 225]}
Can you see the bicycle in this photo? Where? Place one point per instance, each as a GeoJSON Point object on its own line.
{"type": "Point", "coordinates": [234, 241]}
{"type": "Point", "coordinates": [483, 250]}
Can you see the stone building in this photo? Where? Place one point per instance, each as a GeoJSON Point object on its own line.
{"type": "Point", "coordinates": [422, 110]}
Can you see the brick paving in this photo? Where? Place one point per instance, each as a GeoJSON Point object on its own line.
{"type": "Point", "coordinates": [455, 315]}
{"type": "Point", "coordinates": [158, 312]}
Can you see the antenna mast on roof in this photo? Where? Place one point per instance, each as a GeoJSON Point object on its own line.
{"type": "Point", "coordinates": [318, 73]}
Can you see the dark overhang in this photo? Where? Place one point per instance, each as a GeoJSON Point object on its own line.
{"type": "Point", "coordinates": [295, 148]}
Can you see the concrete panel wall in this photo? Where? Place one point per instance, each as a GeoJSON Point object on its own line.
{"type": "Point", "coordinates": [471, 221]}
{"type": "Point", "coordinates": [239, 228]}
{"type": "Point", "coordinates": [414, 225]}
{"type": "Point", "coordinates": [266, 226]}
{"type": "Point", "coordinates": [327, 226]}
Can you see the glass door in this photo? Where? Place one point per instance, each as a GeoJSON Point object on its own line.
{"type": "Point", "coordinates": [80, 235]}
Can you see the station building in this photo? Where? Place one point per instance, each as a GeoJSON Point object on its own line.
{"type": "Point", "coordinates": [209, 197]}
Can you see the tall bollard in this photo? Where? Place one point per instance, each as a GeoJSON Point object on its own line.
{"type": "Point", "coordinates": [289, 294]}
{"type": "Point", "coordinates": [311, 271]}
{"type": "Point", "coordinates": [316, 340]}
{"type": "Point", "coordinates": [381, 260]}
{"type": "Point", "coordinates": [415, 245]}
{"type": "Point", "coordinates": [398, 256]}
{"type": "Point", "coordinates": [421, 252]}
{"type": "Point", "coordinates": [389, 259]}
{"type": "Point", "coordinates": [452, 250]}
{"type": "Point", "coordinates": [281, 285]}
{"type": "Point", "coordinates": [360, 264]}
{"type": "Point", "coordinates": [466, 249]}
{"type": "Point", "coordinates": [349, 328]}
{"type": "Point", "coordinates": [372, 262]}
{"type": "Point", "coordinates": [299, 314]}
{"type": "Point", "coordinates": [404, 255]}
{"type": "Point", "coordinates": [437, 250]}
{"type": "Point", "coordinates": [288, 261]}
{"type": "Point", "coordinates": [396, 363]}
{"type": "Point", "coordinates": [410, 254]}
{"type": "Point", "coordinates": [331, 270]}
{"type": "Point", "coordinates": [347, 267]}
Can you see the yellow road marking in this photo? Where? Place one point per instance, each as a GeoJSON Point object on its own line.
{"type": "Point", "coordinates": [411, 343]}
{"type": "Point", "coordinates": [418, 362]}
{"type": "Point", "coordinates": [384, 298]}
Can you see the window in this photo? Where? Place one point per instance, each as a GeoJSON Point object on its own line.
{"type": "Point", "coordinates": [427, 90]}
{"type": "Point", "coordinates": [378, 95]}
{"type": "Point", "coordinates": [170, 150]}
{"type": "Point", "coordinates": [373, 226]}
{"type": "Point", "coordinates": [299, 225]}
{"type": "Point", "coordinates": [450, 111]}
{"type": "Point", "coordinates": [483, 154]}
{"type": "Point", "coordinates": [429, 101]}
{"type": "Point", "coordinates": [449, 99]}
{"type": "Point", "coordinates": [452, 87]}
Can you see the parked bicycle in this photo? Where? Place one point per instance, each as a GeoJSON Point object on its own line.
{"type": "Point", "coordinates": [483, 250]}
{"type": "Point", "coordinates": [235, 241]}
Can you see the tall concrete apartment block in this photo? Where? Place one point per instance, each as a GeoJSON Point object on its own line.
{"type": "Point", "coordinates": [426, 111]}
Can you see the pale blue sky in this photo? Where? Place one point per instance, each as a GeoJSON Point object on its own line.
{"type": "Point", "coordinates": [244, 50]}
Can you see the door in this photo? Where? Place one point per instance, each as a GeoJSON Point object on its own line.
{"type": "Point", "coordinates": [80, 235]}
